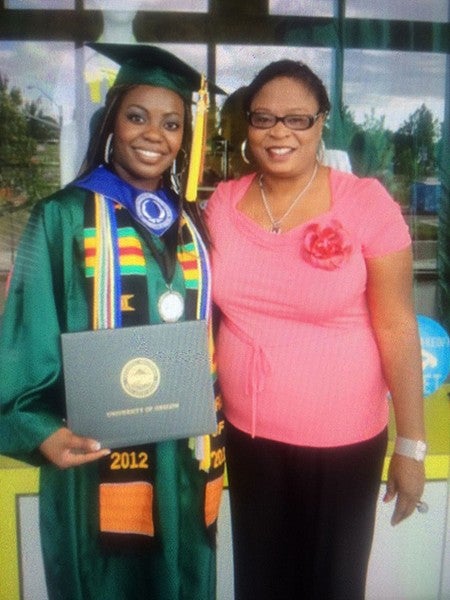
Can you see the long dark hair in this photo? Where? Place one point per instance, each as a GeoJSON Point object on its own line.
{"type": "Point", "coordinates": [292, 69]}
{"type": "Point", "coordinates": [102, 125]}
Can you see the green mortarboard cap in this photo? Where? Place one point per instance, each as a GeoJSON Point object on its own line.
{"type": "Point", "coordinates": [150, 65]}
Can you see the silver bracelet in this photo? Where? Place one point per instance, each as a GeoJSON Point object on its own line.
{"type": "Point", "coordinates": [415, 449]}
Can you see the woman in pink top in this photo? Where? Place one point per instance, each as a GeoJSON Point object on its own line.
{"type": "Point", "coordinates": [312, 273]}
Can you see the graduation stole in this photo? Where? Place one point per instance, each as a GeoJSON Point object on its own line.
{"type": "Point", "coordinates": [115, 271]}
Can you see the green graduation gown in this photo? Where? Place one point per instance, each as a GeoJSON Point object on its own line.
{"type": "Point", "coordinates": [48, 296]}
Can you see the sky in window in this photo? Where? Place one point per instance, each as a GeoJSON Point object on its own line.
{"type": "Point", "coordinates": [411, 10]}
{"type": "Point", "coordinates": [116, 5]}
{"type": "Point", "coordinates": [157, 5]}
{"type": "Point", "coordinates": [302, 8]}
{"type": "Point", "coordinates": [40, 4]}
{"type": "Point", "coordinates": [237, 65]}
{"type": "Point", "coordinates": [393, 83]}
{"type": "Point", "coordinates": [43, 71]}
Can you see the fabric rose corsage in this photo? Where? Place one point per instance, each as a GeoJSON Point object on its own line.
{"type": "Point", "coordinates": [326, 247]}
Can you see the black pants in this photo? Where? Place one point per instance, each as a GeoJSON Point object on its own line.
{"type": "Point", "coordinates": [302, 518]}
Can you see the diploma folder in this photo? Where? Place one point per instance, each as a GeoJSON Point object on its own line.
{"type": "Point", "coordinates": [137, 385]}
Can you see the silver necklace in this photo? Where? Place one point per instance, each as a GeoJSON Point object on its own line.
{"type": "Point", "coordinates": [276, 223]}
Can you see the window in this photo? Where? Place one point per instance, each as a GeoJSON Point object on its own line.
{"type": "Point", "coordinates": [237, 65]}
{"type": "Point", "coordinates": [394, 115]}
{"type": "Point", "coordinates": [112, 5]}
{"type": "Point", "coordinates": [300, 8]}
{"type": "Point", "coordinates": [40, 4]}
{"type": "Point", "coordinates": [149, 5]}
{"type": "Point", "coordinates": [413, 10]}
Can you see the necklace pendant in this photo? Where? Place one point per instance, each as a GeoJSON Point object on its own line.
{"type": "Point", "coordinates": [170, 306]}
{"type": "Point", "coordinates": [276, 224]}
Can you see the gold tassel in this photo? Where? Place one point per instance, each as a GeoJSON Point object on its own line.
{"type": "Point", "coordinates": [198, 143]}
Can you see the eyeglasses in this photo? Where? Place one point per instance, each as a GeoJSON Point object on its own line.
{"type": "Point", "coordinates": [262, 120]}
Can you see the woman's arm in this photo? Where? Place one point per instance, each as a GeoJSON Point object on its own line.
{"type": "Point", "coordinates": [389, 296]}
{"type": "Point", "coordinates": [65, 449]}
{"type": "Point", "coordinates": [32, 407]}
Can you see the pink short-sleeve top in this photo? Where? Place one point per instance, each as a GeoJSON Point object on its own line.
{"type": "Point", "coordinates": [297, 357]}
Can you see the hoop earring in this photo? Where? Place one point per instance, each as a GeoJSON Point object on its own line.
{"type": "Point", "coordinates": [108, 149]}
{"type": "Point", "coordinates": [320, 154]}
{"type": "Point", "coordinates": [176, 176]}
{"type": "Point", "coordinates": [243, 150]}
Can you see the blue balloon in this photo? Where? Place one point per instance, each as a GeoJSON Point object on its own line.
{"type": "Point", "coordinates": [435, 343]}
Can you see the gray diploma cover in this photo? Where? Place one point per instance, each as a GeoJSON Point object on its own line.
{"type": "Point", "coordinates": [137, 385]}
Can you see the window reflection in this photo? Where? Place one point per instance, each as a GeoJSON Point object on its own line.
{"type": "Point", "coordinates": [237, 65]}
{"type": "Point", "coordinates": [40, 4]}
{"type": "Point", "coordinates": [308, 8]}
{"type": "Point", "coordinates": [389, 99]}
{"type": "Point", "coordinates": [149, 5]}
{"type": "Point", "coordinates": [36, 113]}
{"type": "Point", "coordinates": [413, 10]}
{"type": "Point", "coordinates": [200, 6]}
{"type": "Point", "coordinates": [394, 132]}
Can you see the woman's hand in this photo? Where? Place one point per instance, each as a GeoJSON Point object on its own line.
{"type": "Point", "coordinates": [406, 480]}
{"type": "Point", "coordinates": [65, 449]}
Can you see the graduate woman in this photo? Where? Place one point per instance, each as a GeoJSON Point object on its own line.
{"type": "Point", "coordinates": [114, 533]}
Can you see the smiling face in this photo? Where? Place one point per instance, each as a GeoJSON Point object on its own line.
{"type": "Point", "coordinates": [280, 151]}
{"type": "Point", "coordinates": [148, 133]}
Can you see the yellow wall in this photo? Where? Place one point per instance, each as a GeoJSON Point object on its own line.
{"type": "Point", "coordinates": [17, 479]}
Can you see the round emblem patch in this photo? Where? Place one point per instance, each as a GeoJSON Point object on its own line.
{"type": "Point", "coordinates": [154, 212]}
{"type": "Point", "coordinates": [140, 377]}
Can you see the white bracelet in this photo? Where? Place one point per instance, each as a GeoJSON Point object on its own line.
{"type": "Point", "coordinates": [415, 449]}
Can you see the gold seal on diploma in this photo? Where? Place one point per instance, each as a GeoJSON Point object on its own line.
{"type": "Point", "coordinates": [140, 377]}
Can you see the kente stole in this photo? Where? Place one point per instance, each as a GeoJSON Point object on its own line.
{"type": "Point", "coordinates": [115, 269]}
